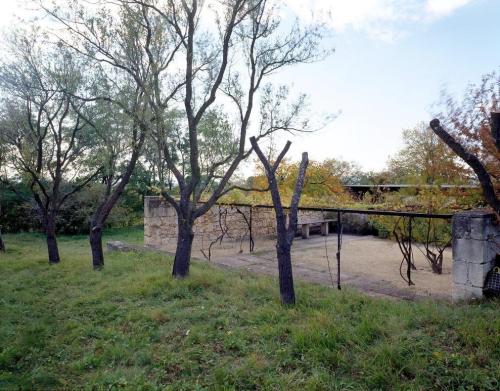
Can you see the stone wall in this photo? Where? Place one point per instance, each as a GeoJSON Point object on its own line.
{"type": "Point", "coordinates": [160, 223]}
{"type": "Point", "coordinates": [476, 242]}
{"type": "Point", "coordinates": [476, 236]}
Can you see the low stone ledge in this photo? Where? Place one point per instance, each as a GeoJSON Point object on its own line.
{"type": "Point", "coordinates": [118, 246]}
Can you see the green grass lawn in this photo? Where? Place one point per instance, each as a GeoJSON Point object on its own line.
{"type": "Point", "coordinates": [131, 326]}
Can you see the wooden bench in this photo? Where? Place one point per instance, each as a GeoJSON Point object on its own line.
{"type": "Point", "coordinates": [306, 225]}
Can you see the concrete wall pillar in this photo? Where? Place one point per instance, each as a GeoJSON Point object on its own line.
{"type": "Point", "coordinates": [475, 244]}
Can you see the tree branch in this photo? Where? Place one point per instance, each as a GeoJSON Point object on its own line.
{"type": "Point", "coordinates": [472, 161]}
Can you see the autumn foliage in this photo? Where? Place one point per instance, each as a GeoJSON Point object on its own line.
{"type": "Point", "coordinates": [426, 159]}
{"type": "Point", "coordinates": [469, 123]}
{"type": "Point", "coordinates": [323, 184]}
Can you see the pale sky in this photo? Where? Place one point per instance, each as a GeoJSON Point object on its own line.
{"type": "Point", "coordinates": [392, 58]}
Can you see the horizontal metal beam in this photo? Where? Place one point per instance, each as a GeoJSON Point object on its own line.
{"type": "Point", "coordinates": [375, 212]}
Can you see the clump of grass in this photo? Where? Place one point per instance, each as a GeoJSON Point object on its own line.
{"type": "Point", "coordinates": [132, 326]}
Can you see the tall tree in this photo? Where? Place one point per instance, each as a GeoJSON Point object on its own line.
{"type": "Point", "coordinates": [285, 234]}
{"type": "Point", "coordinates": [116, 93]}
{"type": "Point", "coordinates": [41, 127]}
{"type": "Point", "coordinates": [425, 158]}
{"type": "Point", "coordinates": [209, 64]}
{"type": "Point", "coordinates": [467, 127]}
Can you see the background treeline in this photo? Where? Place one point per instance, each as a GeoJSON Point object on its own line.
{"type": "Point", "coordinates": [18, 212]}
{"type": "Point", "coordinates": [424, 161]}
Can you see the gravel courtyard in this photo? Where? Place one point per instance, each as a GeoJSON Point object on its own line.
{"type": "Point", "coordinates": [368, 263]}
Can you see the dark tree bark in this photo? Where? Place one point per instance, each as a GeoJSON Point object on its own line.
{"type": "Point", "coordinates": [472, 161]}
{"type": "Point", "coordinates": [495, 128]}
{"type": "Point", "coordinates": [2, 244]}
{"type": "Point", "coordinates": [285, 235]}
{"type": "Point", "coordinates": [95, 239]}
{"type": "Point", "coordinates": [185, 236]}
{"type": "Point", "coordinates": [98, 221]}
{"type": "Point", "coordinates": [50, 233]}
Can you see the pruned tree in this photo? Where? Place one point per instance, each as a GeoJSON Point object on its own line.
{"type": "Point", "coordinates": [285, 234]}
{"type": "Point", "coordinates": [435, 244]}
{"type": "Point", "coordinates": [45, 136]}
{"type": "Point", "coordinates": [211, 65]}
{"type": "Point", "coordinates": [468, 128]}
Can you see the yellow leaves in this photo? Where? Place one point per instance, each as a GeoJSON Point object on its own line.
{"type": "Point", "coordinates": [322, 185]}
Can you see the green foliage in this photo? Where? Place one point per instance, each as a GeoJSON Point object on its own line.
{"type": "Point", "coordinates": [322, 187]}
{"type": "Point", "coordinates": [425, 200]}
{"type": "Point", "coordinates": [16, 215]}
{"type": "Point", "coordinates": [426, 159]}
{"type": "Point", "coordinates": [133, 327]}
{"type": "Point", "coordinates": [74, 217]}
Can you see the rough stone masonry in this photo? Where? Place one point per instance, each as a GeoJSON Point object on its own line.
{"type": "Point", "coordinates": [476, 242]}
{"type": "Point", "coordinates": [160, 223]}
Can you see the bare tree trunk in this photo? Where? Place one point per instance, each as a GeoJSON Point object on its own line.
{"type": "Point", "coordinates": [284, 255]}
{"type": "Point", "coordinates": [437, 268]}
{"type": "Point", "coordinates": [185, 236]}
{"type": "Point", "coordinates": [97, 224]}
{"type": "Point", "coordinates": [2, 244]}
{"type": "Point", "coordinates": [95, 238]}
{"type": "Point", "coordinates": [285, 235]}
{"type": "Point", "coordinates": [50, 233]}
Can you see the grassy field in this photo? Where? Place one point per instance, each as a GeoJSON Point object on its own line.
{"type": "Point", "coordinates": [131, 326]}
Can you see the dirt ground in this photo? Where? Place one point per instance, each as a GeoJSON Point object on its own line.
{"type": "Point", "coordinates": [377, 259]}
{"type": "Point", "coordinates": [368, 263]}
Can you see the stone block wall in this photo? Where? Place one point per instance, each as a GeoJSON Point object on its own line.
{"type": "Point", "coordinates": [476, 242]}
{"type": "Point", "coordinates": [160, 223]}
{"type": "Point", "coordinates": [476, 236]}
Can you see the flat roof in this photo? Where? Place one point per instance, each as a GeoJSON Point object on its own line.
{"type": "Point", "coordinates": [414, 186]}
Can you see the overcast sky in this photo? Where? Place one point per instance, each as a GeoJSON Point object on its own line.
{"type": "Point", "coordinates": [392, 58]}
